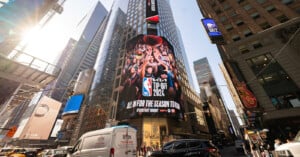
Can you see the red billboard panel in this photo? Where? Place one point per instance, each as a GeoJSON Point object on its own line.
{"type": "Point", "coordinates": [151, 11]}
{"type": "Point", "coordinates": [149, 79]}
{"type": "Point", "coordinates": [42, 120]}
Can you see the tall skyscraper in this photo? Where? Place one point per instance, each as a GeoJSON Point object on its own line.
{"type": "Point", "coordinates": [213, 101]}
{"type": "Point", "coordinates": [83, 55]}
{"type": "Point", "coordinates": [260, 53]}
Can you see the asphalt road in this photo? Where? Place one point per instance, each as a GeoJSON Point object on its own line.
{"type": "Point", "coordinates": [229, 151]}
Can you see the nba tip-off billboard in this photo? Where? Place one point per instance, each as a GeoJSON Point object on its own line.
{"type": "Point", "coordinates": [149, 79]}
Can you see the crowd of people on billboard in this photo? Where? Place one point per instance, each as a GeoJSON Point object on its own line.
{"type": "Point", "coordinates": [150, 75]}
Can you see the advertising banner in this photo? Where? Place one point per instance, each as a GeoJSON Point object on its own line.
{"type": "Point", "coordinates": [212, 30]}
{"type": "Point", "coordinates": [151, 11]}
{"type": "Point", "coordinates": [149, 79]}
{"type": "Point", "coordinates": [73, 104]}
{"type": "Point", "coordinates": [42, 120]}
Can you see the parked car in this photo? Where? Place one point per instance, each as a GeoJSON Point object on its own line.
{"type": "Point", "coordinates": [10, 152]}
{"type": "Point", "coordinates": [289, 149]}
{"type": "Point", "coordinates": [54, 153]}
{"type": "Point", "coordinates": [187, 148]}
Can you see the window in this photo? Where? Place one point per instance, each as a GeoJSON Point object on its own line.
{"type": "Point", "coordinates": [257, 45]}
{"type": "Point", "coordinates": [270, 8]}
{"type": "Point", "coordinates": [236, 38]}
{"type": "Point", "coordinates": [248, 33]}
{"type": "Point", "coordinates": [255, 15]}
{"type": "Point", "coordinates": [99, 141]}
{"type": "Point", "coordinates": [228, 27]}
{"type": "Point", "coordinates": [243, 49]}
{"type": "Point", "coordinates": [223, 18]}
{"type": "Point", "coordinates": [194, 144]}
{"type": "Point", "coordinates": [239, 22]}
{"type": "Point", "coordinates": [265, 25]}
{"type": "Point", "coordinates": [179, 145]}
{"type": "Point", "coordinates": [226, 6]}
{"type": "Point", "coordinates": [240, 1]}
{"type": "Point", "coordinates": [261, 1]}
{"type": "Point", "coordinates": [247, 7]}
{"type": "Point", "coordinates": [282, 18]}
{"type": "Point", "coordinates": [287, 2]}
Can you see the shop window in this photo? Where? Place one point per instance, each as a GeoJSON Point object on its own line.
{"type": "Point", "coordinates": [282, 18]}
{"type": "Point", "coordinates": [285, 101]}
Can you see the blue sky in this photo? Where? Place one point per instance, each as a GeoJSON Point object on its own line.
{"type": "Point", "coordinates": [187, 17]}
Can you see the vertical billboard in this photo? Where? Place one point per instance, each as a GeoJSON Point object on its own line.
{"type": "Point", "coordinates": [42, 120]}
{"type": "Point", "coordinates": [149, 79]}
{"type": "Point", "coordinates": [151, 11]}
{"type": "Point", "coordinates": [212, 30]}
{"type": "Point", "coordinates": [73, 104]}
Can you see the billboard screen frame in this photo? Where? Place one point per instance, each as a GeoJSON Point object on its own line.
{"type": "Point", "coordinates": [156, 94]}
{"type": "Point", "coordinates": [73, 104]}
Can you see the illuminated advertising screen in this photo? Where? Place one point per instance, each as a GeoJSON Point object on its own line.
{"type": "Point", "coordinates": [211, 27]}
{"type": "Point", "coordinates": [149, 79]}
{"type": "Point", "coordinates": [151, 11]}
{"type": "Point", "coordinates": [73, 104]}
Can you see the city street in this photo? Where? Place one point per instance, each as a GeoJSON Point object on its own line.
{"type": "Point", "coordinates": [229, 151]}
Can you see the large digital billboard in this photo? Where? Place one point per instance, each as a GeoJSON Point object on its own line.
{"type": "Point", "coordinates": [212, 30]}
{"type": "Point", "coordinates": [149, 79]}
{"type": "Point", "coordinates": [42, 120]}
{"type": "Point", "coordinates": [73, 104]}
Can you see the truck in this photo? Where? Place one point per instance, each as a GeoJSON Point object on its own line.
{"type": "Point", "coordinates": [108, 142]}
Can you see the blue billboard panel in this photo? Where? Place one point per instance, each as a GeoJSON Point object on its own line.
{"type": "Point", "coordinates": [211, 27]}
{"type": "Point", "coordinates": [149, 84]}
{"type": "Point", "coordinates": [73, 104]}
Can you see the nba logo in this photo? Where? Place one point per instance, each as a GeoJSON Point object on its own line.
{"type": "Point", "coordinates": [147, 86]}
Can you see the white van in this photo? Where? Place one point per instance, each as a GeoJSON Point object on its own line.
{"type": "Point", "coordinates": [117, 141]}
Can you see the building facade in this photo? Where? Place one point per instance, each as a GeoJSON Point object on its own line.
{"type": "Point", "coordinates": [214, 107]}
{"type": "Point", "coordinates": [260, 53]}
{"type": "Point", "coordinates": [104, 106]}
